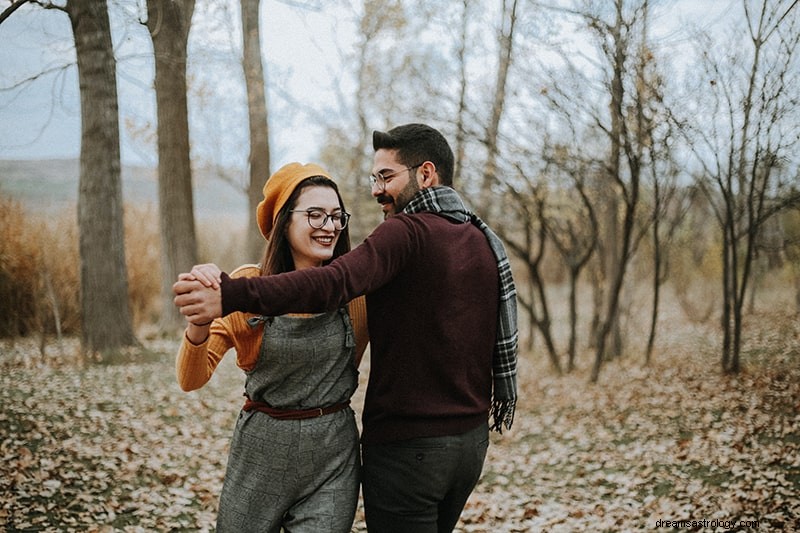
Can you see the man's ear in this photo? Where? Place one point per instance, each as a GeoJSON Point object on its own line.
{"type": "Point", "coordinates": [430, 177]}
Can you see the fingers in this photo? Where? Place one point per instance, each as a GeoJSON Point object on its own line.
{"type": "Point", "coordinates": [195, 310]}
{"type": "Point", "coordinates": [200, 319]}
{"type": "Point", "coordinates": [197, 302]}
{"type": "Point", "coordinates": [186, 286]}
{"type": "Point", "coordinates": [208, 274]}
{"type": "Point", "coordinates": [197, 294]}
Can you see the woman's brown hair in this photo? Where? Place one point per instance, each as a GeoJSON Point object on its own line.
{"type": "Point", "coordinates": [278, 254]}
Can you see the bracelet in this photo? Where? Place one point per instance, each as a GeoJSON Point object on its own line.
{"type": "Point", "coordinates": [204, 323]}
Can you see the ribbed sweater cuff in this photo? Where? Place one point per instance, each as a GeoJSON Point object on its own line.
{"type": "Point", "coordinates": [232, 293]}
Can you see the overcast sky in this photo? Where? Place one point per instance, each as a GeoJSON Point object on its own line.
{"type": "Point", "coordinates": [41, 120]}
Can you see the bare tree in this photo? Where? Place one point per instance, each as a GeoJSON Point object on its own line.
{"type": "Point", "coordinates": [654, 133]}
{"type": "Point", "coordinates": [106, 323]}
{"type": "Point", "coordinates": [527, 241]}
{"type": "Point", "coordinates": [348, 147]}
{"type": "Point", "coordinates": [505, 52]}
{"type": "Point", "coordinates": [573, 228]}
{"type": "Point", "coordinates": [105, 311]}
{"type": "Point", "coordinates": [168, 24]}
{"type": "Point", "coordinates": [612, 140]}
{"type": "Point", "coordinates": [461, 109]}
{"type": "Point", "coordinates": [259, 160]}
{"type": "Point", "coordinates": [670, 204]}
{"type": "Point", "coordinates": [741, 155]}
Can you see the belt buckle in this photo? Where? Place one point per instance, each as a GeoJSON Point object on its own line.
{"type": "Point", "coordinates": [321, 412]}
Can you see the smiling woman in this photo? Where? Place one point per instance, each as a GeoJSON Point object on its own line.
{"type": "Point", "coordinates": [298, 367]}
{"type": "Point", "coordinates": [313, 244]}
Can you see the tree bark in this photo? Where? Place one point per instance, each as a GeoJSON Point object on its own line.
{"type": "Point", "coordinates": [105, 312]}
{"type": "Point", "coordinates": [168, 24]}
{"type": "Point", "coordinates": [259, 160]}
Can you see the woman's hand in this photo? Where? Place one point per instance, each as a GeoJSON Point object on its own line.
{"type": "Point", "coordinates": [208, 274]}
{"type": "Point", "coordinates": [198, 295]}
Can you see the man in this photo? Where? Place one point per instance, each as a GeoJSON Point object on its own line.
{"type": "Point", "coordinates": [441, 313]}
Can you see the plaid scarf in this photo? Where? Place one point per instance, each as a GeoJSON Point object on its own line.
{"type": "Point", "coordinates": [445, 201]}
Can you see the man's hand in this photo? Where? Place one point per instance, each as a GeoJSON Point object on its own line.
{"type": "Point", "coordinates": [199, 300]}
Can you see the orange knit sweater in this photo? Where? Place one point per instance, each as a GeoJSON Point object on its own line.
{"type": "Point", "coordinates": [196, 363]}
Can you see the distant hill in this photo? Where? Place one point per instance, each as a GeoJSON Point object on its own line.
{"type": "Point", "coordinates": [54, 183]}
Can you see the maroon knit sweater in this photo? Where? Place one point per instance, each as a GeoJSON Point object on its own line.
{"type": "Point", "coordinates": [432, 296]}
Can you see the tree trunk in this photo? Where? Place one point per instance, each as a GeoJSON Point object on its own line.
{"type": "Point", "coordinates": [621, 144]}
{"type": "Point", "coordinates": [573, 319]}
{"type": "Point", "coordinates": [105, 312]}
{"type": "Point", "coordinates": [461, 114]}
{"type": "Point", "coordinates": [726, 300]}
{"type": "Point", "coordinates": [506, 38]}
{"type": "Point", "coordinates": [259, 160]}
{"type": "Point", "coordinates": [168, 24]}
{"type": "Point", "coordinates": [651, 337]}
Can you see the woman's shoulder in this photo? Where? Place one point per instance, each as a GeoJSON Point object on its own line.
{"type": "Point", "coordinates": [246, 271]}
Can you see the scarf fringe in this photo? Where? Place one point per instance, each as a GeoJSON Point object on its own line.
{"type": "Point", "coordinates": [502, 415]}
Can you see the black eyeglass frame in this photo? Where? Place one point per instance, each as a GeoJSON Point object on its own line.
{"type": "Point", "coordinates": [380, 179]}
{"type": "Point", "coordinates": [342, 216]}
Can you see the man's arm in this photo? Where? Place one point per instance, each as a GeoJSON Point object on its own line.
{"type": "Point", "coordinates": [358, 272]}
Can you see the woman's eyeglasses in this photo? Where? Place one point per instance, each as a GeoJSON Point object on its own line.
{"type": "Point", "coordinates": [317, 218]}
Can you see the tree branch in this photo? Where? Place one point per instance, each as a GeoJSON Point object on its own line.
{"type": "Point", "coordinates": [10, 9]}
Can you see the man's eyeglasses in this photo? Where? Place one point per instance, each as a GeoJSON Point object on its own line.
{"type": "Point", "coordinates": [317, 218]}
{"type": "Point", "coordinates": [380, 179]}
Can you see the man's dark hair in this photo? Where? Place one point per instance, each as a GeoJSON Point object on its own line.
{"type": "Point", "coordinates": [415, 144]}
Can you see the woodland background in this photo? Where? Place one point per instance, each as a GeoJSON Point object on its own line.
{"type": "Point", "coordinates": [641, 166]}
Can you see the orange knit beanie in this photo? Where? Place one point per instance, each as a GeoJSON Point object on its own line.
{"type": "Point", "coordinates": [279, 187]}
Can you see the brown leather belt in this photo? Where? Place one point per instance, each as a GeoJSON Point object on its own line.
{"type": "Point", "coordinates": [292, 414]}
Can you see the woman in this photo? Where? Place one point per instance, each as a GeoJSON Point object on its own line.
{"type": "Point", "coordinates": [294, 460]}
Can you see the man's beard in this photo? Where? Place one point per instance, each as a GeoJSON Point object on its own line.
{"type": "Point", "coordinates": [403, 197]}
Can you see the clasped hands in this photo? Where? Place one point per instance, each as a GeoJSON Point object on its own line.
{"type": "Point", "coordinates": [198, 294]}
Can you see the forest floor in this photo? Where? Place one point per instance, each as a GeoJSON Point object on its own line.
{"type": "Point", "coordinates": [676, 445]}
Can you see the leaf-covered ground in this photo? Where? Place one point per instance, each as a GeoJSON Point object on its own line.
{"type": "Point", "coordinates": [121, 448]}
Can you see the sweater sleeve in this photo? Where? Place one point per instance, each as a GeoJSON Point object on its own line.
{"type": "Point", "coordinates": [196, 363]}
{"type": "Point", "coordinates": [364, 269]}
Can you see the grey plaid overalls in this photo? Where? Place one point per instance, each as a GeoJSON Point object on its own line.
{"type": "Point", "coordinates": [300, 475]}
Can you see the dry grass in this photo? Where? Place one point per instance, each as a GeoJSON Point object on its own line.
{"type": "Point", "coordinates": [39, 266]}
{"type": "Point", "coordinates": [39, 269]}
{"type": "Point", "coordinates": [38, 272]}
